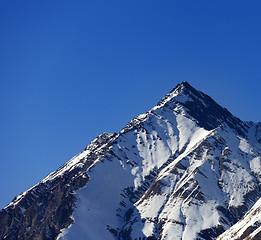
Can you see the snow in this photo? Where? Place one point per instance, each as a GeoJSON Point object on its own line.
{"type": "Point", "coordinates": [172, 173]}
{"type": "Point", "coordinates": [255, 165]}
{"type": "Point", "coordinates": [22, 210]}
{"type": "Point", "coordinates": [199, 218]}
{"type": "Point", "coordinates": [235, 186]}
{"type": "Point", "coordinates": [98, 202]}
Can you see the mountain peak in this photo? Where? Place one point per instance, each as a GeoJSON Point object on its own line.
{"type": "Point", "coordinates": [169, 174]}
{"type": "Point", "coordinates": [185, 84]}
{"type": "Point", "coordinates": [202, 108]}
{"type": "Point", "coordinates": [179, 89]}
{"type": "Point", "coordinates": [183, 92]}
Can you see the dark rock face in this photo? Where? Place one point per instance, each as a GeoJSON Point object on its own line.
{"type": "Point", "coordinates": [47, 208]}
{"type": "Point", "coordinates": [211, 233]}
{"type": "Point", "coordinates": [43, 211]}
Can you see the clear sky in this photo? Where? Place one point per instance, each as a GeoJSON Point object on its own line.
{"type": "Point", "coordinates": [70, 70]}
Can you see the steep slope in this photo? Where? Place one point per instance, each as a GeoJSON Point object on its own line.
{"type": "Point", "coordinates": [248, 228]}
{"type": "Point", "coordinates": [186, 169]}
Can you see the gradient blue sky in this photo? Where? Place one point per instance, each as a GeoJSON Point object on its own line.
{"type": "Point", "coordinates": [70, 70]}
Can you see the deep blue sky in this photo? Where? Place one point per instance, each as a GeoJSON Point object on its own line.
{"type": "Point", "coordinates": [71, 70]}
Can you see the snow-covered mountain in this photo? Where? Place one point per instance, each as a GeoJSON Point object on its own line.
{"type": "Point", "coordinates": [187, 169]}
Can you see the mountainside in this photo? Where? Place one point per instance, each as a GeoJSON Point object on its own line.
{"type": "Point", "coordinates": [249, 227]}
{"type": "Point", "coordinates": [187, 169]}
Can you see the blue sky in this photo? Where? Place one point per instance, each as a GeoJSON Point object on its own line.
{"type": "Point", "coordinates": [71, 70]}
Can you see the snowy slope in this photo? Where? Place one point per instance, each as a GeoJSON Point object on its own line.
{"type": "Point", "coordinates": [186, 169]}
{"type": "Point", "coordinates": [248, 228]}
